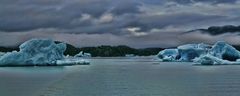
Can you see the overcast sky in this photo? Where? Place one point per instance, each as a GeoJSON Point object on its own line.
{"type": "Point", "coordinates": [136, 23]}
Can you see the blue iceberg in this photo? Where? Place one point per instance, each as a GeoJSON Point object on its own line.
{"type": "Point", "coordinates": [190, 51]}
{"type": "Point", "coordinates": [219, 53]}
{"type": "Point", "coordinates": [37, 52]}
{"type": "Point", "coordinates": [211, 60]}
{"type": "Point", "coordinates": [224, 51]}
{"type": "Point", "coordinates": [168, 55]}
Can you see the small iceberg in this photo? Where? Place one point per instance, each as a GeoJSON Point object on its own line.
{"type": "Point", "coordinates": [83, 54]}
{"type": "Point", "coordinates": [220, 53]}
{"type": "Point", "coordinates": [37, 52]}
{"type": "Point", "coordinates": [72, 62]}
{"type": "Point", "coordinates": [129, 55]}
{"type": "Point", "coordinates": [168, 55]}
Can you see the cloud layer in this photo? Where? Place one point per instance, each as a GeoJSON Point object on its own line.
{"type": "Point", "coordinates": [137, 23]}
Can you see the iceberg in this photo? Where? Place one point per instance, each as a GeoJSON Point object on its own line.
{"type": "Point", "coordinates": [72, 62]}
{"type": "Point", "coordinates": [219, 53]}
{"type": "Point", "coordinates": [211, 60]}
{"type": "Point", "coordinates": [238, 60]}
{"type": "Point", "coordinates": [2, 53]}
{"type": "Point", "coordinates": [184, 52]}
{"type": "Point", "coordinates": [190, 51]}
{"type": "Point", "coordinates": [83, 54]}
{"type": "Point", "coordinates": [224, 51]}
{"type": "Point", "coordinates": [129, 55]}
{"type": "Point", "coordinates": [168, 55]}
{"type": "Point", "coordinates": [37, 52]}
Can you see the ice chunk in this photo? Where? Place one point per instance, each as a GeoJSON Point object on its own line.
{"type": "Point", "coordinates": [83, 54]}
{"type": "Point", "coordinates": [184, 53]}
{"type": "Point", "coordinates": [224, 51]}
{"type": "Point", "coordinates": [87, 55]}
{"type": "Point", "coordinates": [75, 61]}
{"type": "Point", "coordinates": [80, 54]}
{"type": "Point", "coordinates": [35, 52]}
{"type": "Point", "coordinates": [190, 51]}
{"type": "Point", "coordinates": [238, 60]}
{"type": "Point", "coordinates": [168, 55]}
{"type": "Point", "coordinates": [212, 60]}
{"type": "Point", "coordinates": [2, 53]}
{"type": "Point", "coordinates": [219, 53]}
{"type": "Point", "coordinates": [129, 55]}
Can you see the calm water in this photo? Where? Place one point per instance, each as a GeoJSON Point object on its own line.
{"type": "Point", "coordinates": [121, 77]}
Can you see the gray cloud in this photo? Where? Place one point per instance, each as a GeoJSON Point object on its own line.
{"type": "Point", "coordinates": [205, 1]}
{"type": "Point", "coordinates": [155, 39]}
{"type": "Point", "coordinates": [137, 22]}
{"type": "Point", "coordinates": [25, 15]}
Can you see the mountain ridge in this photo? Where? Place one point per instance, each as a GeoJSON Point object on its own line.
{"type": "Point", "coordinates": [100, 51]}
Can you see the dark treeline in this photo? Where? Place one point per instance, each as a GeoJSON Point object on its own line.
{"type": "Point", "coordinates": [102, 51]}
{"type": "Point", "coordinates": [111, 51]}
{"type": "Point", "coordinates": [8, 49]}
{"type": "Point", "coordinates": [115, 51]}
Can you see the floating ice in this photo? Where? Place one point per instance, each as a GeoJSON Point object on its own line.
{"type": "Point", "coordinates": [72, 62]}
{"type": "Point", "coordinates": [190, 51]}
{"type": "Point", "coordinates": [219, 53]}
{"type": "Point", "coordinates": [224, 51]}
{"type": "Point", "coordinates": [168, 55]}
{"type": "Point", "coordinates": [83, 54]}
{"type": "Point", "coordinates": [35, 52]}
{"type": "Point", "coordinates": [39, 52]}
{"type": "Point", "coordinates": [211, 60]}
{"type": "Point", "coordinates": [238, 60]}
{"type": "Point", "coordinates": [184, 53]}
{"type": "Point", "coordinates": [2, 53]}
{"type": "Point", "coordinates": [129, 55]}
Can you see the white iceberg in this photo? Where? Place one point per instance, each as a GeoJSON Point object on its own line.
{"type": "Point", "coordinates": [83, 54]}
{"type": "Point", "coordinates": [34, 52]}
{"type": "Point", "coordinates": [219, 53]}
{"type": "Point", "coordinates": [72, 62]}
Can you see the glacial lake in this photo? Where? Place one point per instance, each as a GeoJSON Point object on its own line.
{"type": "Point", "coordinates": [121, 77]}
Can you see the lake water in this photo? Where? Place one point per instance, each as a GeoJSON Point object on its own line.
{"type": "Point", "coordinates": [121, 77]}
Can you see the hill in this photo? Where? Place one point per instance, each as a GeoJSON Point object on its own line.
{"type": "Point", "coordinates": [101, 51]}
{"type": "Point", "coordinates": [115, 51]}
